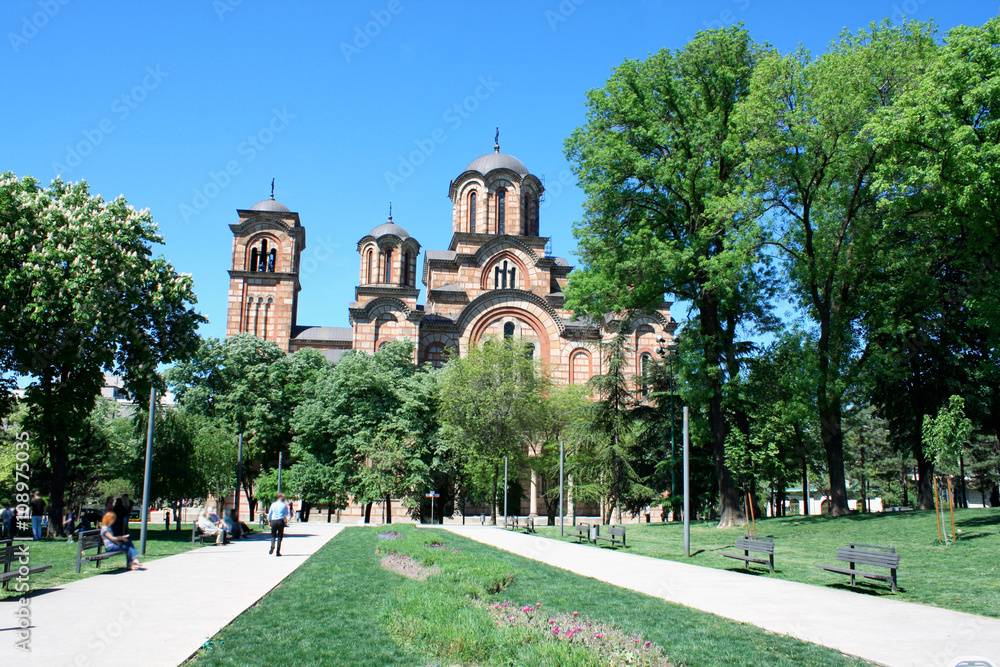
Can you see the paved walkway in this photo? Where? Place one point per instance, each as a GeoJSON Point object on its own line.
{"type": "Point", "coordinates": [160, 616]}
{"type": "Point", "coordinates": [879, 629]}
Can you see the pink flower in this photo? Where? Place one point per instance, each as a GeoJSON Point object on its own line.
{"type": "Point", "coordinates": [526, 609]}
{"type": "Point", "coordinates": [555, 630]}
{"type": "Point", "coordinates": [552, 620]}
{"type": "Point", "coordinates": [538, 604]}
{"type": "Point", "coordinates": [598, 635]}
{"type": "Point", "coordinates": [647, 645]}
{"type": "Point", "coordinates": [576, 613]}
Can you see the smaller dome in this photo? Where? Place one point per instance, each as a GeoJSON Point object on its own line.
{"type": "Point", "coordinates": [497, 160]}
{"type": "Point", "coordinates": [271, 205]}
{"type": "Point", "coordinates": [390, 228]}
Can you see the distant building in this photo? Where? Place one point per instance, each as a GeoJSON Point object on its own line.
{"type": "Point", "coordinates": [495, 279]}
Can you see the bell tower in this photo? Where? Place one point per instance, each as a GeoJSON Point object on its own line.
{"type": "Point", "coordinates": [264, 275]}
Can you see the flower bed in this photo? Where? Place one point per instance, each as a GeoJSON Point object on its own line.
{"type": "Point", "coordinates": [390, 535]}
{"type": "Point", "coordinates": [408, 567]}
{"type": "Point", "coordinates": [612, 645]}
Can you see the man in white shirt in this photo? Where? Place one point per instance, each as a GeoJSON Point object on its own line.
{"type": "Point", "coordinates": [209, 527]}
{"type": "Point", "coordinates": [277, 516]}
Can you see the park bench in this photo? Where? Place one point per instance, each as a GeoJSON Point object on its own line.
{"type": "Point", "coordinates": [581, 532]}
{"type": "Point", "coordinates": [510, 523]}
{"type": "Point", "coordinates": [91, 539]}
{"type": "Point", "coordinates": [198, 536]}
{"type": "Point", "coordinates": [529, 524]}
{"type": "Point", "coordinates": [616, 536]}
{"type": "Point", "coordinates": [868, 555]}
{"type": "Point", "coordinates": [10, 556]}
{"type": "Point", "coordinates": [757, 545]}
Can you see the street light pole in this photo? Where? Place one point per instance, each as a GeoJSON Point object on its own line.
{"type": "Point", "coordinates": [505, 488]}
{"type": "Point", "coordinates": [280, 454]}
{"type": "Point", "coordinates": [239, 477]}
{"type": "Point", "coordinates": [149, 465]}
{"type": "Point", "coordinates": [562, 509]}
{"type": "Point", "coordinates": [687, 487]}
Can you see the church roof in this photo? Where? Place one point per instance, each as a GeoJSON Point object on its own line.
{"type": "Point", "coordinates": [497, 160]}
{"type": "Point", "coordinates": [305, 333]}
{"type": "Point", "coordinates": [390, 227]}
{"type": "Point", "coordinates": [441, 254]}
{"type": "Point", "coordinates": [271, 205]}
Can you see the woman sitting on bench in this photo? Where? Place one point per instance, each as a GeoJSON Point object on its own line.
{"type": "Point", "coordinates": [115, 543]}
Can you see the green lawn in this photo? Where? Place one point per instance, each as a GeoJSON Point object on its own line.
{"type": "Point", "coordinates": [953, 577]}
{"type": "Point", "coordinates": [341, 607]}
{"type": "Point", "coordinates": [61, 555]}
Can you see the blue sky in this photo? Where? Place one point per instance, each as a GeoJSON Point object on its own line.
{"type": "Point", "coordinates": [156, 100]}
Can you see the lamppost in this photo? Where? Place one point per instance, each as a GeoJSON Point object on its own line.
{"type": "Point", "coordinates": [669, 351]}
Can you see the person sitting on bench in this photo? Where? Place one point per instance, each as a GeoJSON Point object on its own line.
{"type": "Point", "coordinates": [209, 527]}
{"type": "Point", "coordinates": [115, 543]}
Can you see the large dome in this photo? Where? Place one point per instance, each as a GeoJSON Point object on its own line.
{"type": "Point", "coordinates": [271, 205]}
{"type": "Point", "coordinates": [390, 228]}
{"type": "Point", "coordinates": [497, 160]}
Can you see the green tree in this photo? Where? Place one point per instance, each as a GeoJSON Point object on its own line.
{"type": "Point", "coordinates": [82, 296]}
{"type": "Point", "coordinates": [660, 162]}
{"type": "Point", "coordinates": [939, 333]}
{"type": "Point", "coordinates": [252, 387]}
{"type": "Point", "coordinates": [492, 396]}
{"type": "Point", "coordinates": [371, 420]}
{"type": "Point", "coordinates": [815, 168]}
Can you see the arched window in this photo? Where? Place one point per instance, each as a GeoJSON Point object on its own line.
{"type": "Point", "coordinates": [383, 344]}
{"type": "Point", "coordinates": [505, 276]}
{"type": "Point", "coordinates": [579, 367]}
{"type": "Point", "coordinates": [472, 212]}
{"type": "Point", "coordinates": [388, 267]}
{"type": "Point", "coordinates": [508, 330]}
{"type": "Point", "coordinates": [434, 355]}
{"type": "Point", "coordinates": [272, 258]}
{"type": "Point", "coordinates": [645, 368]}
{"type": "Point", "coordinates": [368, 277]}
{"type": "Point", "coordinates": [529, 351]}
{"type": "Point", "coordinates": [253, 259]}
{"type": "Point", "coordinates": [404, 274]}
{"type": "Point", "coordinates": [262, 266]}
{"type": "Point", "coordinates": [525, 204]}
{"type": "Point", "coordinates": [501, 211]}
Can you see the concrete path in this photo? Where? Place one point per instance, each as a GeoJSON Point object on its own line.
{"type": "Point", "coordinates": [160, 616]}
{"type": "Point", "coordinates": [879, 629]}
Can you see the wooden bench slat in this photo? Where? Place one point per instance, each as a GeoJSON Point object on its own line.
{"type": "Point", "coordinates": [866, 555]}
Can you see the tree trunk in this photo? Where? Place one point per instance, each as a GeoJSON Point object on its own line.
{"type": "Point", "coordinates": [805, 472]}
{"type": "Point", "coordinates": [59, 462]}
{"type": "Point", "coordinates": [368, 512]}
{"type": "Point", "coordinates": [496, 499]}
{"type": "Point", "coordinates": [388, 509]}
{"type": "Point", "coordinates": [833, 442]}
{"type": "Point", "coordinates": [904, 488]}
{"type": "Point", "coordinates": [925, 480]}
{"type": "Point", "coordinates": [730, 510]}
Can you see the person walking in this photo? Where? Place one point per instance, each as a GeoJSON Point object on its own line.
{"type": "Point", "coordinates": [277, 517]}
{"type": "Point", "coordinates": [37, 514]}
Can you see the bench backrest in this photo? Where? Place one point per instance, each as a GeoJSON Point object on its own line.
{"type": "Point", "coordinates": [89, 539]}
{"type": "Point", "coordinates": [869, 554]}
{"type": "Point", "coordinates": [11, 553]}
{"type": "Point", "coordinates": [582, 527]}
{"type": "Point", "coordinates": [763, 545]}
{"type": "Point", "coordinates": [616, 531]}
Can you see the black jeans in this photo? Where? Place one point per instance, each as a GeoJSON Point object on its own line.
{"type": "Point", "coordinates": [277, 532]}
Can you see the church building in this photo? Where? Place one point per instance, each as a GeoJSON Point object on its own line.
{"type": "Point", "coordinates": [494, 279]}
